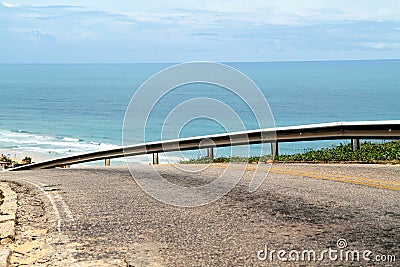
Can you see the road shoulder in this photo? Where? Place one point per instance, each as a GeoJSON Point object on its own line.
{"type": "Point", "coordinates": [8, 209]}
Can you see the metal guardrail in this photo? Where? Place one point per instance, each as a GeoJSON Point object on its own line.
{"type": "Point", "coordinates": [325, 131]}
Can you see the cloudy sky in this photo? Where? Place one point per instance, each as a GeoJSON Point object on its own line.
{"type": "Point", "coordinates": [177, 31]}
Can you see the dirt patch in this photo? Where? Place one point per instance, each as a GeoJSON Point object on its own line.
{"type": "Point", "coordinates": [38, 241]}
{"type": "Point", "coordinates": [35, 233]}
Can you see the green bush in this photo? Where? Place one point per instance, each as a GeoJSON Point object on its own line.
{"type": "Point", "coordinates": [27, 160]}
{"type": "Point", "coordinates": [388, 152]}
{"type": "Point", "coordinates": [5, 159]}
{"type": "Point", "coordinates": [369, 153]}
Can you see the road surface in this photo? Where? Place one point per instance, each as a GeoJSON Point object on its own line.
{"type": "Point", "coordinates": [99, 215]}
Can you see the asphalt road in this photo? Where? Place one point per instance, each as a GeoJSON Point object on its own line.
{"type": "Point", "coordinates": [104, 215]}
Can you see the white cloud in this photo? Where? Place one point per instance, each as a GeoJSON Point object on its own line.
{"type": "Point", "coordinates": [205, 27]}
{"type": "Point", "coordinates": [256, 12]}
{"type": "Point", "coordinates": [383, 45]}
{"type": "Point", "coordinates": [37, 33]}
{"type": "Point", "coordinates": [9, 5]}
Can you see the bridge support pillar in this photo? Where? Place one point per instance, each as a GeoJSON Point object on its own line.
{"type": "Point", "coordinates": [355, 143]}
{"type": "Point", "coordinates": [155, 159]}
{"type": "Point", "coordinates": [107, 162]}
{"type": "Point", "coordinates": [274, 149]}
{"type": "Point", "coordinates": [210, 153]}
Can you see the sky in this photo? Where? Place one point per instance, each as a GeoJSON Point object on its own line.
{"type": "Point", "coordinates": [97, 31]}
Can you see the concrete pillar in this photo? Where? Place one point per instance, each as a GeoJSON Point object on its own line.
{"type": "Point", "coordinates": [274, 149]}
{"type": "Point", "coordinates": [355, 143]}
{"type": "Point", "coordinates": [107, 162]}
{"type": "Point", "coordinates": [210, 153]}
{"type": "Point", "coordinates": [155, 159]}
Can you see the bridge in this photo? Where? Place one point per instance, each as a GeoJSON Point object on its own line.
{"type": "Point", "coordinates": [353, 131]}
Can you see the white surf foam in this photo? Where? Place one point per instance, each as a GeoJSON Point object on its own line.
{"type": "Point", "coordinates": [54, 147]}
{"type": "Point", "coordinates": [62, 146]}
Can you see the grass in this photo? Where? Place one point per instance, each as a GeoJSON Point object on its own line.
{"type": "Point", "coordinates": [343, 153]}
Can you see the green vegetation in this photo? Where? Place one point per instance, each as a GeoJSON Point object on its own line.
{"type": "Point", "coordinates": [369, 153]}
{"type": "Point", "coordinates": [4, 158]}
{"type": "Point", "coordinates": [13, 163]}
{"type": "Point", "coordinates": [27, 160]}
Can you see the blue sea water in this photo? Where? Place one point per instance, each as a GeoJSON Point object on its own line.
{"type": "Point", "coordinates": [67, 109]}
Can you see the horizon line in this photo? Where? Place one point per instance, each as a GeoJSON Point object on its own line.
{"type": "Point", "coordinates": [172, 63]}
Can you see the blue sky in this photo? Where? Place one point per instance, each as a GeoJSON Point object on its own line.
{"type": "Point", "coordinates": [177, 31]}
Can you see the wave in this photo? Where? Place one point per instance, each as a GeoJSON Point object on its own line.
{"type": "Point", "coordinates": [62, 146]}
{"type": "Point", "coordinates": [69, 139]}
{"type": "Point", "coordinates": [53, 146]}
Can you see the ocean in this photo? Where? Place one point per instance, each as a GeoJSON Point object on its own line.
{"type": "Point", "coordinates": [54, 110]}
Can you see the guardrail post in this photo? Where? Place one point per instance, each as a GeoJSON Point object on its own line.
{"type": "Point", "coordinates": [274, 149]}
{"type": "Point", "coordinates": [107, 162]}
{"type": "Point", "coordinates": [210, 153]}
{"type": "Point", "coordinates": [155, 159]}
{"type": "Point", "coordinates": [355, 143]}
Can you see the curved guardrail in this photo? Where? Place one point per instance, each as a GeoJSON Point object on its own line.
{"type": "Point", "coordinates": [324, 131]}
